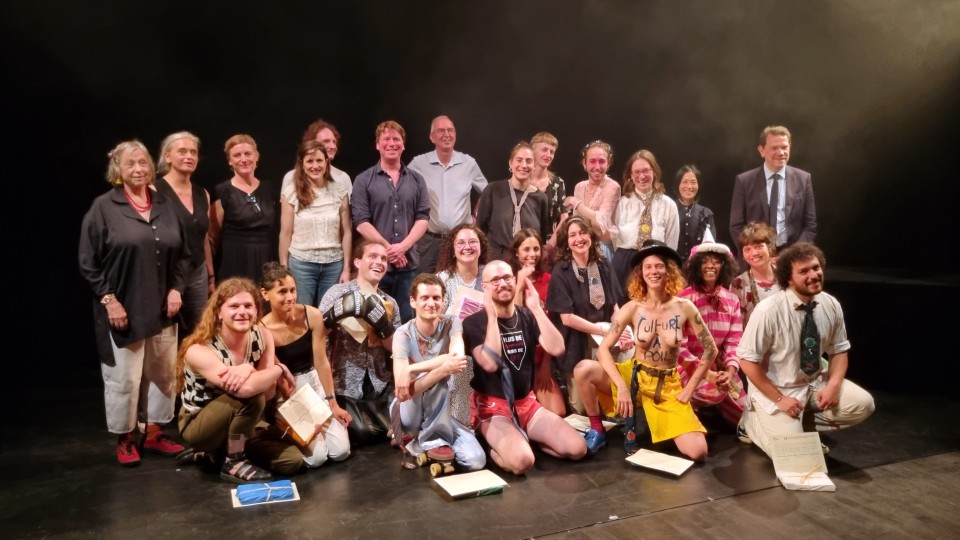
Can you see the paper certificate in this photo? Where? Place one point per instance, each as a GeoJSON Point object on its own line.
{"type": "Point", "coordinates": [475, 483]}
{"type": "Point", "coordinates": [660, 462]}
{"type": "Point", "coordinates": [798, 462]}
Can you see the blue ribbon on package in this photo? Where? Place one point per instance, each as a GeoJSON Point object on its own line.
{"type": "Point", "coordinates": [279, 490]}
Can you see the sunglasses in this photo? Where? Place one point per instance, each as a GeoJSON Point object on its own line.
{"type": "Point", "coordinates": [256, 205]}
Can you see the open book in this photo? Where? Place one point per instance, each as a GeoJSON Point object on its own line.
{"type": "Point", "coordinates": [300, 414]}
{"type": "Point", "coordinates": [798, 462]}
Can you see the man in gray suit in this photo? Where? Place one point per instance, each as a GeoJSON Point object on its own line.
{"type": "Point", "coordinates": [789, 208]}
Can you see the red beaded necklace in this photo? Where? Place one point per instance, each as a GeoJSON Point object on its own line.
{"type": "Point", "coordinates": [138, 207]}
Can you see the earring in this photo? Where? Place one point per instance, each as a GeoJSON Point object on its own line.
{"type": "Point", "coordinates": [118, 181]}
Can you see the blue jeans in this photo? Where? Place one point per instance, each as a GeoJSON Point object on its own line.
{"type": "Point", "coordinates": [313, 279]}
{"type": "Point", "coordinates": [396, 283]}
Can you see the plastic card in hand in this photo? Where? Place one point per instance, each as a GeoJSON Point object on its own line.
{"type": "Point", "coordinates": [300, 414]}
{"type": "Point", "coordinates": [660, 462]}
{"type": "Point", "coordinates": [472, 484]}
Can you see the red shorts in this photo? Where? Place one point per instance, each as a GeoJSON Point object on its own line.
{"type": "Point", "coordinates": [484, 407]}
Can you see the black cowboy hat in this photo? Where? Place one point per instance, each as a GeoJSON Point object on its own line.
{"type": "Point", "coordinates": [655, 247]}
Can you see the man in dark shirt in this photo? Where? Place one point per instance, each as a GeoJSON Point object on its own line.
{"type": "Point", "coordinates": [502, 339]}
{"type": "Point", "coordinates": [390, 204]}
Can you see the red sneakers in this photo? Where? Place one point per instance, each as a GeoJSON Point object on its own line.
{"type": "Point", "coordinates": [157, 442]}
{"type": "Point", "coordinates": [127, 453]}
{"type": "Point", "coordinates": [441, 453]}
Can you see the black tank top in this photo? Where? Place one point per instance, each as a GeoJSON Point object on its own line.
{"type": "Point", "coordinates": [298, 354]}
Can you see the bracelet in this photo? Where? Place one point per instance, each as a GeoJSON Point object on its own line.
{"type": "Point", "coordinates": [779, 398]}
{"type": "Point", "coordinates": [331, 397]}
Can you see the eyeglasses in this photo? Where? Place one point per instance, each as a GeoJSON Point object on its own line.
{"type": "Point", "coordinates": [464, 243]}
{"type": "Point", "coordinates": [506, 280]}
{"type": "Point", "coordinates": [256, 205]}
{"type": "Point", "coordinates": [451, 131]}
{"type": "Point", "coordinates": [643, 172]}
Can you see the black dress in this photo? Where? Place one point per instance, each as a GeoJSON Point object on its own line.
{"type": "Point", "coordinates": [249, 236]}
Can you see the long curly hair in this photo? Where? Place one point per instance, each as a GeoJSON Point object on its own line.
{"type": "Point", "coordinates": [208, 326]}
{"type": "Point", "coordinates": [693, 275]}
{"type": "Point", "coordinates": [637, 287]}
{"type": "Point", "coordinates": [447, 259]}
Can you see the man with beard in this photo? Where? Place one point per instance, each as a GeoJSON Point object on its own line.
{"type": "Point", "coordinates": [502, 339]}
{"type": "Point", "coordinates": [361, 320]}
{"type": "Point", "coordinates": [780, 354]}
{"type": "Point", "coordinates": [450, 175]}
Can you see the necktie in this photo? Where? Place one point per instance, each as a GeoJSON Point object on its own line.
{"type": "Point", "coordinates": [809, 341]}
{"type": "Point", "coordinates": [774, 201]}
{"type": "Point", "coordinates": [595, 286]}
{"type": "Point", "coordinates": [646, 221]}
{"type": "Point", "coordinates": [517, 206]}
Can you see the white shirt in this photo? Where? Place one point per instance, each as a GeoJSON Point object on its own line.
{"type": "Point", "coordinates": [316, 229]}
{"type": "Point", "coordinates": [772, 339]}
{"type": "Point", "coordinates": [663, 213]}
{"type": "Point", "coordinates": [449, 188]}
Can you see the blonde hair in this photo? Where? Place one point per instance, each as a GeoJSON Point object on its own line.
{"type": "Point", "coordinates": [113, 164]}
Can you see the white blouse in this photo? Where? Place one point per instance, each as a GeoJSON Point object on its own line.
{"type": "Point", "coordinates": [663, 213]}
{"type": "Point", "coordinates": [316, 229]}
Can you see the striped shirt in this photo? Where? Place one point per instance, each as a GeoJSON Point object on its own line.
{"type": "Point", "coordinates": [722, 316]}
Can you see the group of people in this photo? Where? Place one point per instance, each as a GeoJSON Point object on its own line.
{"type": "Point", "coordinates": [451, 325]}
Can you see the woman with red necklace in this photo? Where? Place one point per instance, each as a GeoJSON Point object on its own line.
{"type": "Point", "coordinates": [134, 255]}
{"type": "Point", "coordinates": [244, 219]}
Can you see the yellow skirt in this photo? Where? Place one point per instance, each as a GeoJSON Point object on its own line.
{"type": "Point", "coordinates": [667, 419]}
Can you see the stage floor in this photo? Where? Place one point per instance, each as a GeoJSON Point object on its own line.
{"type": "Point", "coordinates": [896, 474]}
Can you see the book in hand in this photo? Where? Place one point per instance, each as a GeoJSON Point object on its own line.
{"type": "Point", "coordinates": [300, 414]}
{"type": "Point", "coordinates": [798, 462]}
{"type": "Point", "coordinates": [660, 462]}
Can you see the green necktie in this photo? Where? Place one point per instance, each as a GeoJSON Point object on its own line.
{"type": "Point", "coordinates": [809, 341]}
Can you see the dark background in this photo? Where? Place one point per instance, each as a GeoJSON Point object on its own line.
{"type": "Point", "coordinates": [868, 89]}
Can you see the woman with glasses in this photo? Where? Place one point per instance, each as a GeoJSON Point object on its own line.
{"type": "Point", "coordinates": [506, 207]}
{"type": "Point", "coordinates": [463, 255]}
{"type": "Point", "coordinates": [644, 212]}
{"type": "Point", "coordinates": [243, 218]}
{"type": "Point", "coordinates": [595, 198]}
{"type": "Point", "coordinates": [582, 297]}
{"type": "Point", "coordinates": [315, 229]}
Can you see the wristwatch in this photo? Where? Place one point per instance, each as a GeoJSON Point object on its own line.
{"type": "Point", "coordinates": [107, 298]}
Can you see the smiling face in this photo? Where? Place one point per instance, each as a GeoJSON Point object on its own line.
{"type": "Point", "coordinates": [134, 168]}
{"type": "Point", "coordinates": [466, 246]}
{"type": "Point", "coordinates": [372, 265]}
{"type": "Point", "coordinates": [390, 145]}
{"type": "Point", "coordinates": [428, 301]}
{"type": "Point", "coordinates": [499, 276]}
{"type": "Point", "coordinates": [315, 166]}
{"type": "Point", "coordinates": [806, 278]}
{"type": "Point", "coordinates": [238, 312]}
{"type": "Point", "coordinates": [329, 141]}
{"type": "Point", "coordinates": [543, 154]}
{"type": "Point", "coordinates": [528, 252]}
{"type": "Point", "coordinates": [282, 296]}
{"type": "Point", "coordinates": [689, 187]}
{"type": "Point", "coordinates": [596, 163]}
{"type": "Point", "coordinates": [757, 255]}
{"type": "Point", "coordinates": [710, 266]}
{"type": "Point", "coordinates": [443, 135]}
{"type": "Point", "coordinates": [641, 173]}
{"type": "Point", "coordinates": [243, 159]}
{"type": "Point", "coordinates": [182, 155]}
{"type": "Point", "coordinates": [654, 271]}
{"type": "Point", "coordinates": [775, 152]}
{"type": "Point", "coordinates": [579, 241]}
{"type": "Point", "coordinates": [522, 164]}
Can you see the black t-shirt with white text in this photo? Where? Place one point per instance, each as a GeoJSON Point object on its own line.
{"type": "Point", "coordinates": [519, 336]}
